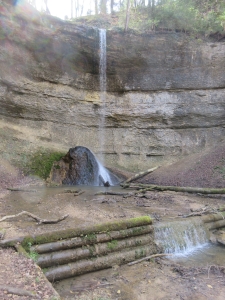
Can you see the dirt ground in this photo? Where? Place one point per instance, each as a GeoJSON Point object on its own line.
{"type": "Point", "coordinates": [159, 279]}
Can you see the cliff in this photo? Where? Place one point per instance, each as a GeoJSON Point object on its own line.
{"type": "Point", "coordinates": [165, 91]}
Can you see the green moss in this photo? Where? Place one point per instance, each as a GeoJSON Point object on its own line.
{"type": "Point", "coordinates": [40, 163]}
{"type": "Point", "coordinates": [91, 237]}
{"type": "Point", "coordinates": [32, 254]}
{"type": "Point", "coordinates": [88, 233]}
{"type": "Point", "coordinates": [112, 245]}
{"type": "Point", "coordinates": [140, 253]}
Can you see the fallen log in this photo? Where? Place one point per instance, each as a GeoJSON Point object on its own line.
{"type": "Point", "coordinates": [150, 187]}
{"type": "Point", "coordinates": [103, 262]}
{"type": "Point", "coordinates": [74, 232]}
{"type": "Point", "coordinates": [216, 224]}
{"type": "Point", "coordinates": [213, 217]}
{"type": "Point", "coordinates": [138, 175]}
{"type": "Point", "coordinates": [36, 218]}
{"type": "Point", "coordinates": [68, 256]}
{"type": "Point", "coordinates": [90, 239]}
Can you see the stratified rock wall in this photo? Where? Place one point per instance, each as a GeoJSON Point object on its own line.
{"type": "Point", "coordinates": [165, 92]}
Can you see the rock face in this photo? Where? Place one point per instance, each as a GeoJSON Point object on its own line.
{"type": "Point", "coordinates": [165, 91]}
{"type": "Point", "coordinates": [80, 167]}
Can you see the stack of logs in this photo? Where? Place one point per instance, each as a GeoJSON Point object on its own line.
{"type": "Point", "coordinates": [72, 252]}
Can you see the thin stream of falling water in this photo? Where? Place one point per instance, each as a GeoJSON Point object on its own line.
{"type": "Point", "coordinates": [103, 83]}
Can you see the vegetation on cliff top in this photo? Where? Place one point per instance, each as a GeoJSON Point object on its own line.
{"type": "Point", "coordinates": [199, 17]}
{"type": "Point", "coordinates": [191, 16]}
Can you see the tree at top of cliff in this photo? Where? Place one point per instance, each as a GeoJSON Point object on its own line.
{"type": "Point", "coordinates": [205, 17]}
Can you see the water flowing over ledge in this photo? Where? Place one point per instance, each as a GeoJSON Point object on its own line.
{"type": "Point", "coordinates": [181, 237]}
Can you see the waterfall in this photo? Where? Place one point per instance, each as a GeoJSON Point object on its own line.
{"type": "Point", "coordinates": [102, 80]}
{"type": "Point", "coordinates": [181, 237]}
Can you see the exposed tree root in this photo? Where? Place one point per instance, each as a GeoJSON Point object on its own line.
{"type": "Point", "coordinates": [36, 218]}
{"type": "Point", "coordinates": [21, 190]}
{"type": "Point", "coordinates": [16, 291]}
{"type": "Point", "coordinates": [148, 257]}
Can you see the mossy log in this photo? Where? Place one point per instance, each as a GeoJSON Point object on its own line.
{"type": "Point", "coordinates": [74, 232]}
{"type": "Point", "coordinates": [216, 224]}
{"type": "Point", "coordinates": [213, 217]}
{"type": "Point", "coordinates": [68, 256]}
{"type": "Point", "coordinates": [103, 262]}
{"type": "Point", "coordinates": [150, 187]}
{"type": "Point", "coordinates": [138, 175]}
{"type": "Point", "coordinates": [91, 239]}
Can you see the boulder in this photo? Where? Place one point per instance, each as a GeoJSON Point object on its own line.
{"type": "Point", "coordinates": [80, 167]}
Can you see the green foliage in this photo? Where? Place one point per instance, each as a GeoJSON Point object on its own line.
{"type": "Point", "coordinates": [32, 254]}
{"type": "Point", "coordinates": [200, 17]}
{"type": "Point", "coordinates": [112, 245]}
{"type": "Point", "coordinates": [41, 162]}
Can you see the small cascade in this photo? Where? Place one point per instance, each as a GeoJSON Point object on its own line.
{"type": "Point", "coordinates": [181, 237]}
{"type": "Point", "coordinates": [105, 175]}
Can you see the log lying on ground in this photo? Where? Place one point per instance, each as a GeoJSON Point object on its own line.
{"type": "Point", "coordinates": [71, 233]}
{"type": "Point", "coordinates": [103, 262]}
{"type": "Point", "coordinates": [213, 217]}
{"type": "Point", "coordinates": [68, 256]}
{"type": "Point", "coordinates": [138, 175]}
{"type": "Point", "coordinates": [215, 225]}
{"type": "Point", "coordinates": [91, 239]}
{"type": "Point", "coordinates": [150, 187]}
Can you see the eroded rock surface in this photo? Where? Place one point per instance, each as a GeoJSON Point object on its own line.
{"type": "Point", "coordinates": [165, 91]}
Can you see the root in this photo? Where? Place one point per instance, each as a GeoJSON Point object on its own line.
{"type": "Point", "coordinates": [36, 218]}
{"type": "Point", "coordinates": [148, 257]}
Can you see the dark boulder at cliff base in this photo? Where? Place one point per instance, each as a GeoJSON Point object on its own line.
{"type": "Point", "coordinates": [83, 167]}
{"type": "Point", "coordinates": [80, 167]}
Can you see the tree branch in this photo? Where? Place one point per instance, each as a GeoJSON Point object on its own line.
{"type": "Point", "coordinates": [36, 218]}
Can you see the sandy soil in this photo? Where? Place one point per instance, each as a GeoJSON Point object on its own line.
{"type": "Point", "coordinates": [155, 279]}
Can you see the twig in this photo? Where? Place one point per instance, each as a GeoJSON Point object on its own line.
{"type": "Point", "coordinates": [39, 220]}
{"type": "Point", "coordinates": [21, 190]}
{"type": "Point", "coordinates": [148, 257]}
{"type": "Point", "coordinates": [78, 193]}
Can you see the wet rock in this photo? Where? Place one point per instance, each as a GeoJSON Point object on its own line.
{"type": "Point", "coordinates": [80, 167]}
{"type": "Point", "coordinates": [77, 167]}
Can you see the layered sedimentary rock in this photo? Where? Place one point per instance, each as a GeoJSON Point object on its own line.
{"type": "Point", "coordinates": [165, 92]}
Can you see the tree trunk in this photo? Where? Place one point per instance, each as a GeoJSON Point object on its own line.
{"type": "Point", "coordinates": [72, 255]}
{"type": "Point", "coordinates": [91, 239]}
{"type": "Point", "coordinates": [127, 15]}
{"type": "Point", "coordinates": [213, 217]}
{"type": "Point", "coordinates": [103, 8]}
{"type": "Point", "coordinates": [96, 7]}
{"type": "Point", "coordinates": [111, 6]}
{"type": "Point", "coordinates": [150, 187]}
{"type": "Point", "coordinates": [72, 233]}
{"type": "Point", "coordinates": [216, 225]}
{"type": "Point", "coordinates": [103, 262]}
{"type": "Point", "coordinates": [139, 175]}
{"type": "Point", "coordinates": [71, 8]}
